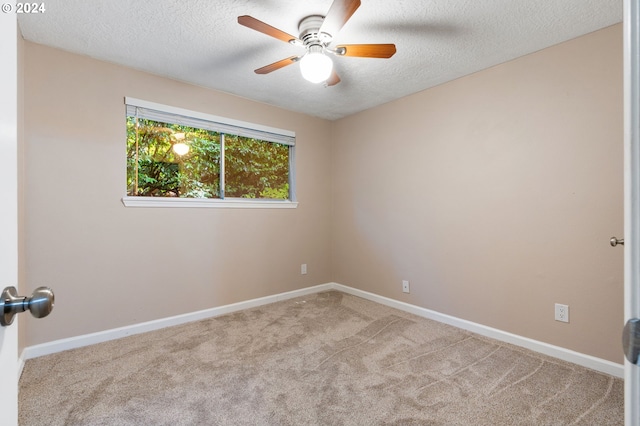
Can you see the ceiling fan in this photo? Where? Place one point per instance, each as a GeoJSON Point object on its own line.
{"type": "Point", "coordinates": [316, 35]}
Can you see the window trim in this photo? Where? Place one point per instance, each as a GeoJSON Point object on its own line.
{"type": "Point", "coordinates": [248, 203]}
{"type": "Point", "coordinates": [274, 135]}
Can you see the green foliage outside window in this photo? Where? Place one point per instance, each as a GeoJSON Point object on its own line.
{"type": "Point", "coordinates": [256, 169]}
{"type": "Point", "coordinates": [253, 168]}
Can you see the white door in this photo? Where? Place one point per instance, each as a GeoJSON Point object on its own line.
{"type": "Point", "coordinates": [632, 196]}
{"type": "Point", "coordinates": [8, 211]}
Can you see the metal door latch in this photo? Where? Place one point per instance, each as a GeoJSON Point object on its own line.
{"type": "Point", "coordinates": [40, 304]}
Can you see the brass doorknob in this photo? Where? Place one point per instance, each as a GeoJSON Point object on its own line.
{"type": "Point", "coordinates": [40, 304]}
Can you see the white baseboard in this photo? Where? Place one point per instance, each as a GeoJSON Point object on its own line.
{"type": "Point", "coordinates": [578, 358]}
{"type": "Point", "coordinates": [588, 361]}
{"type": "Point", "coordinates": [21, 361]}
{"type": "Point", "coordinates": [117, 333]}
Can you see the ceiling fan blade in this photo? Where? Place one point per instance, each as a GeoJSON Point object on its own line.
{"type": "Point", "coordinates": [255, 24]}
{"type": "Point", "coordinates": [277, 65]}
{"type": "Point", "coordinates": [333, 80]}
{"type": "Point", "coordinates": [338, 15]}
{"type": "Point", "coordinates": [367, 50]}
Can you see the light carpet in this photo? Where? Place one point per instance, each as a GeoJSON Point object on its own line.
{"type": "Point", "coordinates": [324, 359]}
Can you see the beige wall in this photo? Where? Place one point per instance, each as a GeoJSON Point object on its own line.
{"type": "Point", "coordinates": [112, 266]}
{"type": "Point", "coordinates": [495, 195]}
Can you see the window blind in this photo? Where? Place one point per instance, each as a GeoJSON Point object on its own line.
{"type": "Point", "coordinates": [167, 114]}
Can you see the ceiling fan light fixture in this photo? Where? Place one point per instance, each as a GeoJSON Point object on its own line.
{"type": "Point", "coordinates": [315, 66]}
{"type": "Point", "coordinates": [316, 35]}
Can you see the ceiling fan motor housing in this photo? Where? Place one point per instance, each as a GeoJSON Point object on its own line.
{"type": "Point", "coordinates": [310, 34]}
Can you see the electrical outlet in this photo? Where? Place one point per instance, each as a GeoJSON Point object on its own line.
{"type": "Point", "coordinates": [562, 312]}
{"type": "Point", "coordinates": [303, 269]}
{"type": "Point", "coordinates": [405, 286]}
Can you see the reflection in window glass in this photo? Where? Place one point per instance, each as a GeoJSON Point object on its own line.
{"type": "Point", "coordinates": [171, 160]}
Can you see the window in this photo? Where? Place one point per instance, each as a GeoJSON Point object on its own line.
{"type": "Point", "coordinates": [178, 158]}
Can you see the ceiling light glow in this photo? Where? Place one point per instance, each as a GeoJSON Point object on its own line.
{"type": "Point", "coordinates": [315, 66]}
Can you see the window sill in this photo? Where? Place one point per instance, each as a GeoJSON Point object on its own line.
{"type": "Point", "coordinates": [234, 203]}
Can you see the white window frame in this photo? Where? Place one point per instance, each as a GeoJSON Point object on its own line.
{"type": "Point", "coordinates": [222, 125]}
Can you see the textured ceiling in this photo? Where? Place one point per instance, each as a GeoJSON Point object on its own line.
{"type": "Point", "coordinates": [200, 41]}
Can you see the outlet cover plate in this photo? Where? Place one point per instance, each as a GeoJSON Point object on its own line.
{"type": "Point", "coordinates": [562, 312]}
